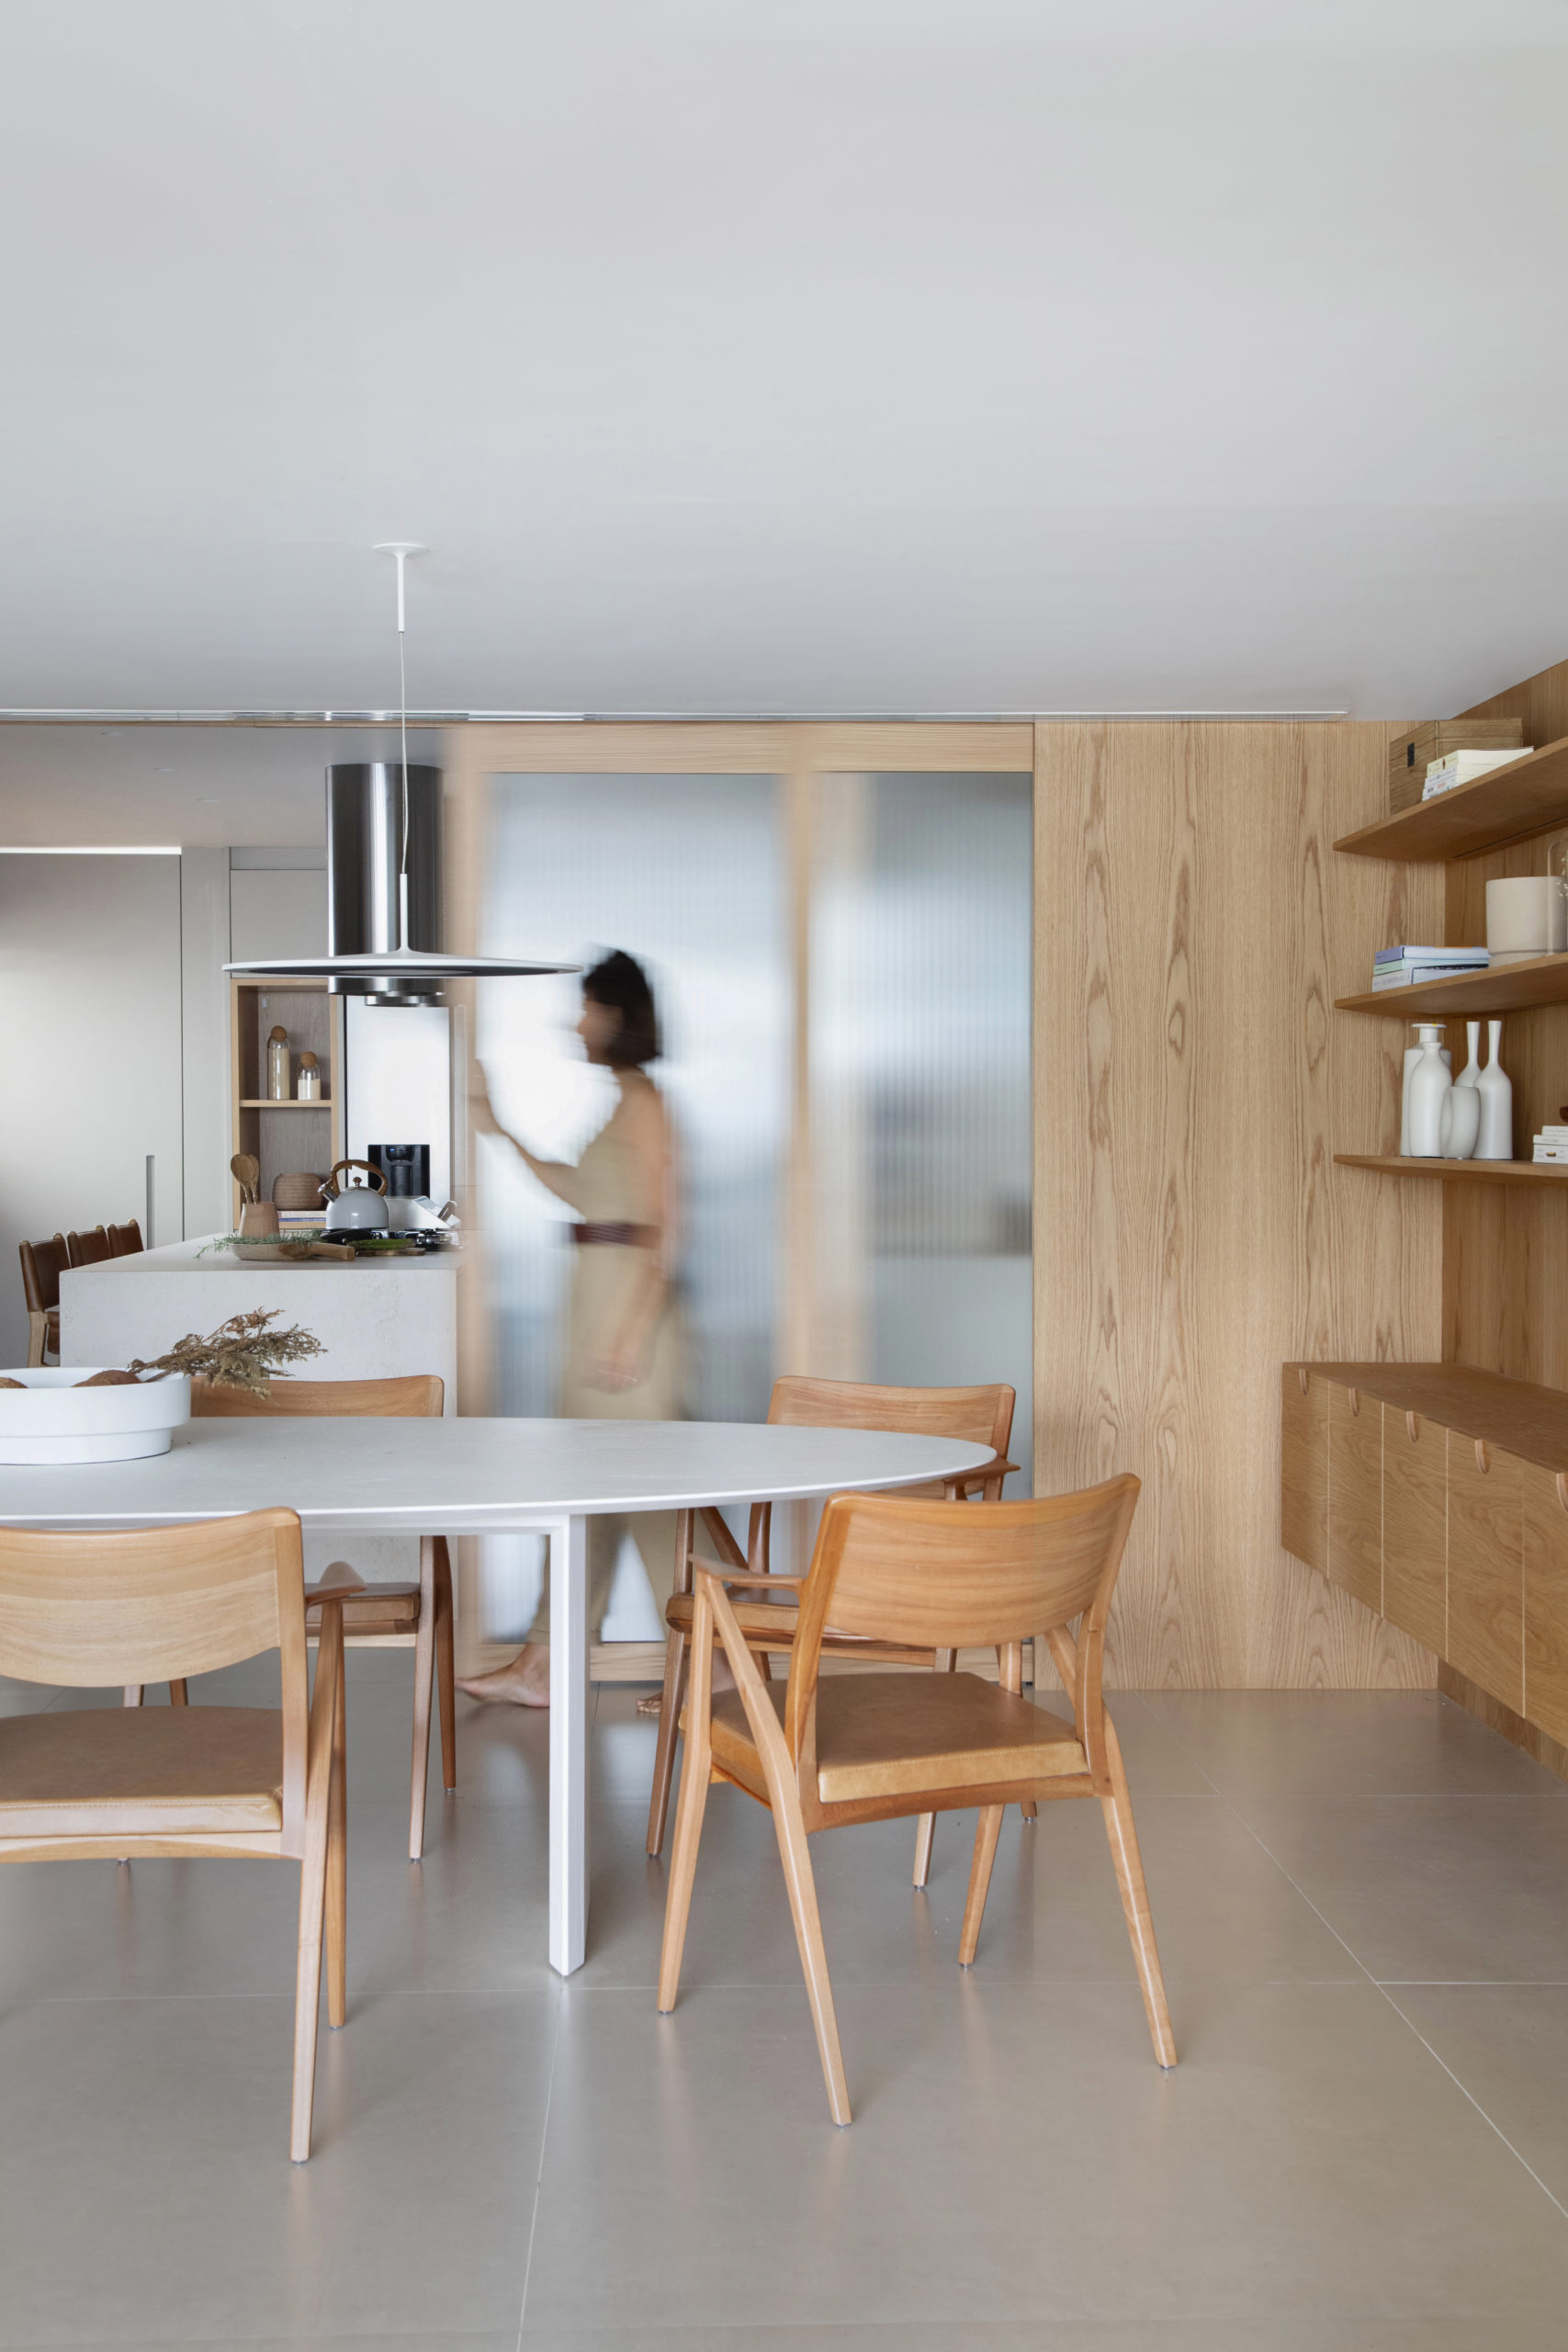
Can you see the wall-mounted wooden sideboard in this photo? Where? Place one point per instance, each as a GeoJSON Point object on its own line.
{"type": "Point", "coordinates": [1437, 1495]}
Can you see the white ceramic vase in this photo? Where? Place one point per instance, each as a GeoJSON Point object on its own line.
{"type": "Point", "coordinates": [1459, 1126]}
{"type": "Point", "coordinates": [1412, 1056]}
{"type": "Point", "coordinates": [1429, 1085]}
{"type": "Point", "coordinates": [1470, 1074]}
{"type": "Point", "coordinates": [1495, 1090]}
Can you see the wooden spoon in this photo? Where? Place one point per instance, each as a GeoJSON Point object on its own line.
{"type": "Point", "coordinates": [245, 1169]}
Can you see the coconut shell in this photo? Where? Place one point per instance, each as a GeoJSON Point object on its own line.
{"type": "Point", "coordinates": [7, 1382]}
{"type": "Point", "coordinates": [107, 1380]}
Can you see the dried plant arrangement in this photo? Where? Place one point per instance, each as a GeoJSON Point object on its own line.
{"type": "Point", "coordinates": [241, 1353]}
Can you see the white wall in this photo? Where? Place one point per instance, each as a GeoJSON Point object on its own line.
{"type": "Point", "coordinates": [90, 1053]}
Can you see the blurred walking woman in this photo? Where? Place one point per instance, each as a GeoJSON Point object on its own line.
{"type": "Point", "coordinates": [624, 1342]}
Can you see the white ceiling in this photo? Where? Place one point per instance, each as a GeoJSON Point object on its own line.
{"type": "Point", "coordinates": [788, 355]}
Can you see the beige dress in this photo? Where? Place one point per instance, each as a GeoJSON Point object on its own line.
{"type": "Point", "coordinates": [610, 1185]}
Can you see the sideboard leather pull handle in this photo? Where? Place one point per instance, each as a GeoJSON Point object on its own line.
{"type": "Point", "coordinates": [1354, 1396]}
{"type": "Point", "coordinates": [1413, 1428]}
{"type": "Point", "coordinates": [1483, 1458]}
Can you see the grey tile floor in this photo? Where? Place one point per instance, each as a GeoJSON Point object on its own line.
{"type": "Point", "coordinates": [1362, 1907]}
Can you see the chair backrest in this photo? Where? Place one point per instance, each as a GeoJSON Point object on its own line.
{"type": "Point", "coordinates": [420, 1396]}
{"type": "Point", "coordinates": [43, 1262]}
{"type": "Point", "coordinates": [88, 1248]}
{"type": "Point", "coordinates": [958, 1575]}
{"type": "Point", "coordinates": [155, 1604]}
{"type": "Point", "coordinates": [983, 1416]}
{"type": "Point", "coordinates": [125, 1240]}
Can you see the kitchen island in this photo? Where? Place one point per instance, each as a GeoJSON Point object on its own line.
{"type": "Point", "coordinates": [376, 1319]}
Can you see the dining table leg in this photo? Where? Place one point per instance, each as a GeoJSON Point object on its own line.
{"type": "Point", "coordinates": [569, 1743]}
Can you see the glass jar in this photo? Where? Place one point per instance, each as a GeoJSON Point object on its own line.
{"type": "Point", "coordinates": [307, 1086]}
{"type": "Point", "coordinates": [277, 1066]}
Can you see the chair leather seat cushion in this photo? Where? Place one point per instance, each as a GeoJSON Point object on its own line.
{"type": "Point", "coordinates": [895, 1735]}
{"type": "Point", "coordinates": [153, 1769]}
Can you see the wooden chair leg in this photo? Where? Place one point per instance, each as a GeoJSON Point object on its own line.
{"type": "Point", "coordinates": [795, 1853]}
{"type": "Point", "coordinates": [37, 1328]}
{"type": "Point", "coordinates": [696, 1766]}
{"type": "Point", "coordinates": [133, 1692]}
{"type": "Point", "coordinates": [423, 1682]}
{"type": "Point", "coordinates": [308, 1980]}
{"type": "Point", "coordinates": [179, 1695]}
{"type": "Point", "coordinates": [986, 1837]}
{"type": "Point", "coordinates": [1118, 1810]}
{"type": "Point", "coordinates": [925, 1831]}
{"type": "Point", "coordinates": [446, 1689]}
{"type": "Point", "coordinates": [337, 1864]}
{"type": "Point", "coordinates": [664, 1752]}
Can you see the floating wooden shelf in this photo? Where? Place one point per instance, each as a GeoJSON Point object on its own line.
{"type": "Point", "coordinates": [1510, 803]}
{"type": "Point", "coordinates": [1504, 987]}
{"type": "Point", "coordinates": [266, 1103]}
{"type": "Point", "coordinates": [1457, 1172]}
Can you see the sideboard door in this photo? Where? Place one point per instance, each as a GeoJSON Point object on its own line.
{"type": "Point", "coordinates": [1355, 1494]}
{"type": "Point", "coordinates": [1415, 1526]}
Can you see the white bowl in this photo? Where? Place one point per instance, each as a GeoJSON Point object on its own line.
{"type": "Point", "coordinates": [52, 1420]}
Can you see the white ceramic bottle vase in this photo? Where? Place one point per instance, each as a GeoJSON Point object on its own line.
{"type": "Point", "coordinates": [1497, 1138]}
{"type": "Point", "coordinates": [1430, 1082]}
{"type": "Point", "coordinates": [1470, 1074]}
{"type": "Point", "coordinates": [1412, 1056]}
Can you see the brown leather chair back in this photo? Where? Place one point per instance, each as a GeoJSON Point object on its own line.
{"type": "Point", "coordinates": [88, 1248]}
{"type": "Point", "coordinates": [43, 1262]}
{"type": "Point", "coordinates": [125, 1240]}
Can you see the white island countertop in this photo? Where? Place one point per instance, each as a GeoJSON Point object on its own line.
{"type": "Point", "coordinates": [376, 1318]}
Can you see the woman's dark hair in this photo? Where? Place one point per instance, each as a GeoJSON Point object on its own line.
{"type": "Point", "coordinates": [621, 984]}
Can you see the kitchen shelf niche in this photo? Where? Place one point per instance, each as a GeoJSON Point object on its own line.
{"type": "Point", "coordinates": [313, 1019]}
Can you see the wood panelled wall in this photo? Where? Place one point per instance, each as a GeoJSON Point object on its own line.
{"type": "Point", "coordinates": [1505, 1253]}
{"type": "Point", "coordinates": [1192, 1231]}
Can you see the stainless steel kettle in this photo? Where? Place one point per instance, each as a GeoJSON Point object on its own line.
{"type": "Point", "coordinates": [354, 1207]}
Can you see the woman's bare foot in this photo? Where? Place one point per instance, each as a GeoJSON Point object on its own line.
{"type": "Point", "coordinates": [524, 1681]}
{"type": "Point", "coordinates": [652, 1702]}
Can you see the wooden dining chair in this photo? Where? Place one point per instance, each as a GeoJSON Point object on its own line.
{"type": "Point", "coordinates": [125, 1240]}
{"type": "Point", "coordinates": [822, 1753]}
{"type": "Point", "coordinates": [115, 1783]}
{"type": "Point", "coordinates": [92, 1249]}
{"type": "Point", "coordinates": [43, 1262]}
{"type": "Point", "coordinates": [983, 1416]}
{"type": "Point", "coordinates": [386, 1615]}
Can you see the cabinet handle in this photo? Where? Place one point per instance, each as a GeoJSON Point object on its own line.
{"type": "Point", "coordinates": [1300, 1375]}
{"type": "Point", "coordinates": [1483, 1458]}
{"type": "Point", "coordinates": [1354, 1394]}
{"type": "Point", "coordinates": [1413, 1428]}
{"type": "Point", "coordinates": [1562, 1489]}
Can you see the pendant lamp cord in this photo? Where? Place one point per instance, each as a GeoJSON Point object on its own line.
{"type": "Point", "coordinates": [403, 720]}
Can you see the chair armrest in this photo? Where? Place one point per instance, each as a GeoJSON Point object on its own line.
{"type": "Point", "coordinates": [768, 1581]}
{"type": "Point", "coordinates": [998, 1468]}
{"type": "Point", "coordinates": [340, 1582]}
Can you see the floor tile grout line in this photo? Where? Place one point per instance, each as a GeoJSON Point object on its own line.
{"type": "Point", "coordinates": [1475, 2103]}
{"type": "Point", "coordinates": [1409, 2023]}
{"type": "Point", "coordinates": [539, 2175]}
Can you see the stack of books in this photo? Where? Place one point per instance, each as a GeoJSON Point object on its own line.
{"type": "Point", "coordinates": [1552, 1145]}
{"type": "Point", "coordinates": [1403, 968]}
{"type": "Point", "coordinates": [1463, 767]}
{"type": "Point", "coordinates": [302, 1220]}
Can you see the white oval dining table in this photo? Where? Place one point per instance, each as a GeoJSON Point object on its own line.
{"type": "Point", "coordinates": [474, 1477]}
